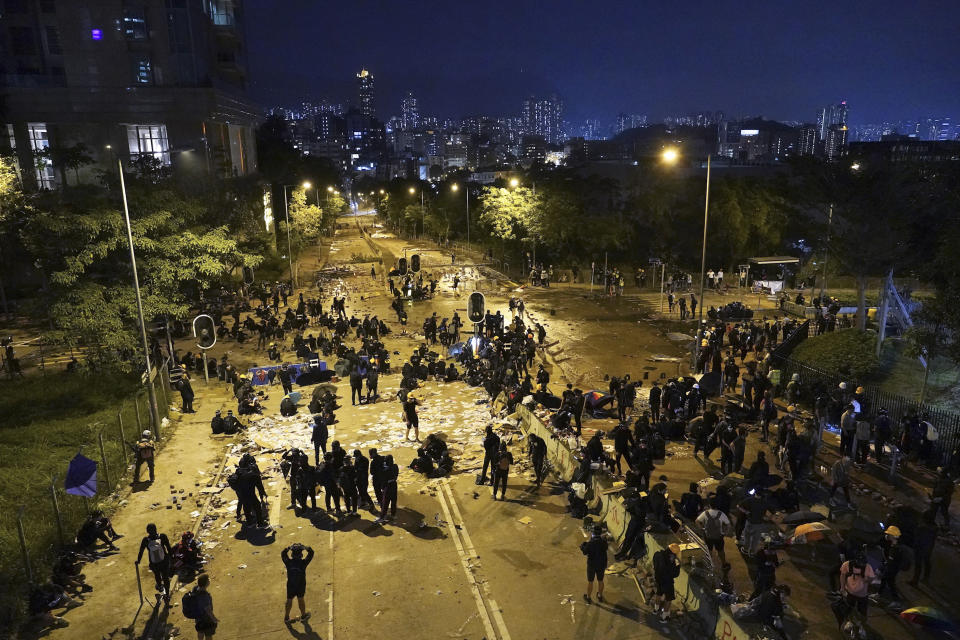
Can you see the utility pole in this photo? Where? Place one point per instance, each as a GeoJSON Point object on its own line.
{"type": "Point", "coordinates": [151, 392]}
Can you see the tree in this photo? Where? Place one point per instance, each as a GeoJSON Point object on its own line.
{"type": "Point", "coordinates": [70, 158]}
{"type": "Point", "coordinates": [306, 220]}
{"type": "Point", "coordinates": [508, 213]}
{"type": "Point", "coordinates": [80, 245]}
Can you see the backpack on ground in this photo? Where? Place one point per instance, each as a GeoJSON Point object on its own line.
{"type": "Point", "coordinates": [190, 605]}
{"type": "Point", "coordinates": [155, 551]}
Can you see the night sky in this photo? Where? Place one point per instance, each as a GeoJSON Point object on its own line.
{"type": "Point", "coordinates": [776, 58]}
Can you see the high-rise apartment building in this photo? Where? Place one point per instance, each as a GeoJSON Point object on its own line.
{"type": "Point", "coordinates": [163, 79]}
{"type": "Point", "coordinates": [544, 117]}
{"type": "Point", "coordinates": [835, 144]}
{"type": "Point", "coordinates": [365, 93]}
{"type": "Point", "coordinates": [410, 117]}
{"type": "Point", "coordinates": [830, 115]}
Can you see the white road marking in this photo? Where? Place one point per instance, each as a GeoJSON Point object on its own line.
{"type": "Point", "coordinates": [472, 552]}
{"type": "Point", "coordinates": [481, 607]}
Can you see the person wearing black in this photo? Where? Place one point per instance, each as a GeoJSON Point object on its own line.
{"type": "Point", "coordinates": [924, 539]}
{"type": "Point", "coordinates": [319, 437]}
{"type": "Point", "coordinates": [389, 502]}
{"type": "Point", "coordinates": [759, 471]}
{"type": "Point", "coordinates": [634, 545]}
{"type": "Point", "coordinates": [706, 428]}
{"type": "Point", "coordinates": [596, 551]}
{"type": "Point", "coordinates": [595, 447]}
{"type": "Point", "coordinates": [231, 424]}
{"type": "Point", "coordinates": [691, 503]}
{"type": "Point", "coordinates": [766, 576]}
{"type": "Point", "coordinates": [538, 454]}
{"type": "Point", "coordinates": [941, 496]}
{"type": "Point", "coordinates": [410, 416]}
{"type": "Point", "coordinates": [642, 464]}
{"type": "Point", "coordinates": [728, 436]}
{"type": "Point", "coordinates": [296, 564]}
{"type": "Point", "coordinates": [216, 423]}
{"type": "Point", "coordinates": [491, 445]}
{"type": "Point", "coordinates": [158, 551]}
{"type": "Point", "coordinates": [206, 624]}
{"type": "Point", "coordinates": [501, 469]}
{"type": "Point", "coordinates": [348, 486]}
{"type": "Point", "coordinates": [356, 385]}
{"type": "Point", "coordinates": [883, 429]}
{"type": "Point", "coordinates": [770, 607]}
{"type": "Point", "coordinates": [666, 567]}
{"type": "Point", "coordinates": [376, 475]}
{"type": "Point", "coordinates": [327, 475]}
{"type": "Point", "coordinates": [623, 443]}
{"type": "Point", "coordinates": [373, 379]}
{"type": "Point", "coordinates": [361, 468]}
{"type": "Point", "coordinates": [286, 378]}
{"type": "Point", "coordinates": [579, 403]}
{"type": "Point", "coordinates": [186, 393]}
{"type": "Point", "coordinates": [654, 397]}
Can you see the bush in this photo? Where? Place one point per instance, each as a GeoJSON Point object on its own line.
{"type": "Point", "coordinates": [849, 353]}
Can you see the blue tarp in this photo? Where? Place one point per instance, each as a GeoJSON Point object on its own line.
{"type": "Point", "coordinates": [81, 477]}
{"type": "Point", "coordinates": [261, 375]}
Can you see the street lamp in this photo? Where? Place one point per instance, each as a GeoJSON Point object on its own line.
{"type": "Point", "coordinates": [286, 215]}
{"type": "Point", "coordinates": [670, 156]}
{"type": "Point", "coordinates": [413, 191]}
{"type": "Point", "coordinates": [455, 187]}
{"type": "Point", "coordinates": [514, 183]}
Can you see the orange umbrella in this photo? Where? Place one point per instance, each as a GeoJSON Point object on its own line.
{"type": "Point", "coordinates": [810, 532]}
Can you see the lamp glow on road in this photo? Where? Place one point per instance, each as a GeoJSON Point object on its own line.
{"type": "Point", "coordinates": [670, 155]}
{"type": "Point", "coordinates": [514, 182]}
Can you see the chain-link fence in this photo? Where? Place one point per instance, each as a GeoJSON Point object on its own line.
{"type": "Point", "coordinates": [47, 520]}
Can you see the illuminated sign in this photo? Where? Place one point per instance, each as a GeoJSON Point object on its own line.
{"type": "Point", "coordinates": [96, 34]}
{"type": "Point", "coordinates": [749, 132]}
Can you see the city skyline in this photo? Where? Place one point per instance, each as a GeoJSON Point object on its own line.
{"type": "Point", "coordinates": [635, 60]}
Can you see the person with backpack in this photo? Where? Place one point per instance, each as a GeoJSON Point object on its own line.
{"type": "Point", "coordinates": [501, 470]}
{"type": "Point", "coordinates": [768, 413]}
{"type": "Point", "coordinates": [538, 454]}
{"type": "Point", "coordinates": [716, 525]}
{"type": "Point", "coordinates": [197, 605]}
{"type": "Point", "coordinates": [691, 503]}
{"type": "Point", "coordinates": [855, 578]}
{"type": "Point", "coordinates": [595, 549]}
{"type": "Point", "coordinates": [216, 423]}
{"type": "Point", "coordinates": [296, 564]}
{"type": "Point", "coordinates": [666, 567]}
{"type": "Point", "coordinates": [389, 500]}
{"type": "Point", "coordinates": [145, 450]}
{"type": "Point", "coordinates": [157, 547]}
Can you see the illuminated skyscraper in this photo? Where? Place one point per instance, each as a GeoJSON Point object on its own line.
{"type": "Point", "coordinates": [830, 115]}
{"type": "Point", "coordinates": [365, 93]}
{"type": "Point", "coordinates": [410, 117]}
{"type": "Point", "coordinates": [544, 117]}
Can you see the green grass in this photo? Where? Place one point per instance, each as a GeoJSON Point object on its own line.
{"type": "Point", "coordinates": [848, 352]}
{"type": "Point", "coordinates": [44, 422]}
{"type": "Point", "coordinates": [902, 374]}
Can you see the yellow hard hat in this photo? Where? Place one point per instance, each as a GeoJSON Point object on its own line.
{"type": "Point", "coordinates": [704, 342]}
{"type": "Point", "coordinates": [675, 548]}
{"type": "Point", "coordinates": [791, 409]}
{"type": "Point", "coordinates": [859, 389]}
{"type": "Point", "coordinates": [273, 344]}
{"type": "Point", "coordinates": [893, 531]}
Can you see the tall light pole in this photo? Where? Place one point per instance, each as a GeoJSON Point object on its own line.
{"type": "Point", "coordinates": [670, 156]}
{"type": "Point", "coordinates": [413, 191]}
{"type": "Point", "coordinates": [151, 392]}
{"type": "Point", "coordinates": [454, 187]}
{"type": "Point", "coordinates": [826, 254]}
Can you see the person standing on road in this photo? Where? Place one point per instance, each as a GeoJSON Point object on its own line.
{"type": "Point", "coordinates": [389, 501]}
{"type": "Point", "coordinates": [186, 393]}
{"type": "Point", "coordinates": [158, 551]}
{"type": "Point", "coordinates": [361, 467]}
{"type": "Point", "coordinates": [941, 496]}
{"type": "Point", "coordinates": [501, 470]}
{"type": "Point", "coordinates": [924, 539]}
{"type": "Point", "coordinates": [654, 399]}
{"type": "Point", "coordinates": [319, 436]}
{"type": "Point", "coordinates": [623, 444]}
{"type": "Point", "coordinates": [666, 567]}
{"type": "Point", "coordinates": [356, 385]}
{"type": "Point", "coordinates": [286, 378]}
{"type": "Point", "coordinates": [491, 445]}
{"type": "Point", "coordinates": [145, 451]}
{"type": "Point", "coordinates": [296, 564]}
{"type": "Point", "coordinates": [410, 416]}
{"type": "Point", "coordinates": [855, 578]}
{"type": "Point", "coordinates": [596, 551]}
{"type": "Point", "coordinates": [716, 525]}
{"type": "Point", "coordinates": [206, 624]}
{"type": "Point", "coordinates": [373, 379]}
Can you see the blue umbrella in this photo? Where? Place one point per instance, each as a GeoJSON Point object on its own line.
{"type": "Point", "coordinates": [81, 477]}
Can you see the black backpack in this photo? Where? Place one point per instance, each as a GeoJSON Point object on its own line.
{"type": "Point", "coordinates": [190, 605]}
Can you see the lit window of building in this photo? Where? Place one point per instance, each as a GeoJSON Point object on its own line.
{"type": "Point", "coordinates": [39, 143]}
{"type": "Point", "coordinates": [149, 139]}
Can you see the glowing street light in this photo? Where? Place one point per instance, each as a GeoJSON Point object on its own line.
{"type": "Point", "coordinates": [670, 155]}
{"type": "Point", "coordinates": [514, 183]}
{"type": "Point", "coordinates": [382, 191]}
{"type": "Point", "coordinates": [412, 191]}
{"type": "Point", "coordinates": [330, 189]}
{"type": "Point", "coordinates": [454, 187]}
{"type": "Point", "coordinates": [307, 185]}
{"type": "Point", "coordinates": [855, 166]}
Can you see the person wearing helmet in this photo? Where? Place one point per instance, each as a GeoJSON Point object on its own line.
{"type": "Point", "coordinates": [897, 558]}
{"type": "Point", "coordinates": [793, 389]}
{"type": "Point", "coordinates": [145, 449]}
